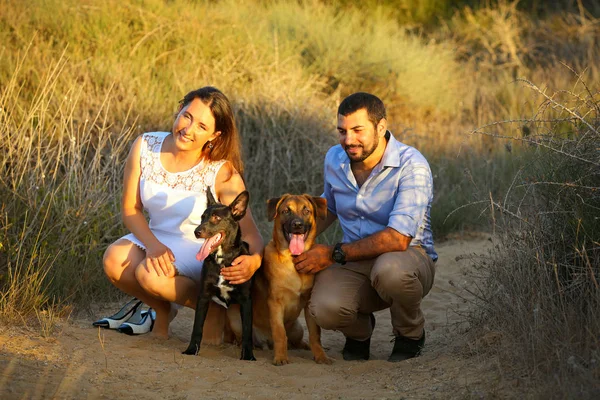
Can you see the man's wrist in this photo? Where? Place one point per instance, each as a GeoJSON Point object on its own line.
{"type": "Point", "coordinates": [332, 261]}
{"type": "Point", "coordinates": [338, 255]}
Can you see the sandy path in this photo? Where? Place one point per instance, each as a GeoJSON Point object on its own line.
{"type": "Point", "coordinates": [74, 364]}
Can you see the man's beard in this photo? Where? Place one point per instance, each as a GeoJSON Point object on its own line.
{"type": "Point", "coordinates": [365, 154]}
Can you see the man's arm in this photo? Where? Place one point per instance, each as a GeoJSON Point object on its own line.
{"type": "Point", "coordinates": [413, 197]}
{"type": "Point", "coordinates": [384, 241]}
{"type": "Point", "coordinates": [372, 246]}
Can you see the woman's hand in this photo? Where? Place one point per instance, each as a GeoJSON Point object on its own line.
{"type": "Point", "coordinates": [160, 258]}
{"type": "Point", "coordinates": [242, 269]}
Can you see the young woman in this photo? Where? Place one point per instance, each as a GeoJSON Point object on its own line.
{"type": "Point", "coordinates": [167, 175]}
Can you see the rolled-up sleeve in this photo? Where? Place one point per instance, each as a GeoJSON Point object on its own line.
{"type": "Point", "coordinates": [415, 191]}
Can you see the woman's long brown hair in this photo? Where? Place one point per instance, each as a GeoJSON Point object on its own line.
{"type": "Point", "coordinates": [226, 146]}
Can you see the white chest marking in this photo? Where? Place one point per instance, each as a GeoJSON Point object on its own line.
{"type": "Point", "coordinates": [219, 255]}
{"type": "Point", "coordinates": [223, 287]}
{"type": "Point", "coordinates": [224, 292]}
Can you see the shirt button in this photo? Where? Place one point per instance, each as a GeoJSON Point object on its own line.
{"type": "Point", "coordinates": [362, 217]}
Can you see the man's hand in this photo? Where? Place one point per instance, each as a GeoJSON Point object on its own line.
{"type": "Point", "coordinates": [241, 269]}
{"type": "Point", "coordinates": [314, 260]}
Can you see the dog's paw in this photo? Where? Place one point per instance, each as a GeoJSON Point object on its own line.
{"type": "Point", "coordinates": [323, 360]}
{"type": "Point", "coordinates": [280, 361]}
{"type": "Point", "coordinates": [247, 356]}
{"type": "Point", "coordinates": [191, 350]}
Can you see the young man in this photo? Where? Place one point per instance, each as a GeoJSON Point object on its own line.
{"type": "Point", "coordinates": [381, 192]}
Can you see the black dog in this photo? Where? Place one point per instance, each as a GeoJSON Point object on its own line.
{"type": "Point", "coordinates": [223, 244]}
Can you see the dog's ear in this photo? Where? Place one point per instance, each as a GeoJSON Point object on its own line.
{"type": "Point", "coordinates": [239, 205]}
{"type": "Point", "coordinates": [210, 199]}
{"type": "Point", "coordinates": [272, 207]}
{"type": "Point", "coordinates": [320, 204]}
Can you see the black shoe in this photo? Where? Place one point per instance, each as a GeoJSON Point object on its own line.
{"type": "Point", "coordinates": [128, 311]}
{"type": "Point", "coordinates": [139, 326]}
{"type": "Point", "coordinates": [405, 348]}
{"type": "Point", "coordinates": [358, 349]}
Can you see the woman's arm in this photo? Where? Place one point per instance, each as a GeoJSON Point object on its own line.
{"type": "Point", "coordinates": [159, 256]}
{"type": "Point", "coordinates": [228, 185]}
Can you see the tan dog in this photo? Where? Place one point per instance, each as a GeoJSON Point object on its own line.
{"type": "Point", "coordinates": [280, 293]}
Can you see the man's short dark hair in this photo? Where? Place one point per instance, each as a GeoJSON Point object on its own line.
{"type": "Point", "coordinates": [373, 105]}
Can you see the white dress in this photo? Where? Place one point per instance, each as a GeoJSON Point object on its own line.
{"type": "Point", "coordinates": [174, 203]}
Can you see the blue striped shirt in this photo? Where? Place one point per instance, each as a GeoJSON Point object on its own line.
{"type": "Point", "coordinates": [398, 193]}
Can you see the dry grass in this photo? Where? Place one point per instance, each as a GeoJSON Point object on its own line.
{"type": "Point", "coordinates": [541, 294]}
{"type": "Point", "coordinates": [60, 179]}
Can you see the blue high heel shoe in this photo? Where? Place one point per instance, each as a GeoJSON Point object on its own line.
{"type": "Point", "coordinates": [123, 315]}
{"type": "Point", "coordinates": [141, 326]}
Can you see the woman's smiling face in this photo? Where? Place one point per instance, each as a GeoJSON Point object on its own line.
{"type": "Point", "coordinates": [194, 126]}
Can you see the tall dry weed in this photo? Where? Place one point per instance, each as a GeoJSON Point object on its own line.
{"type": "Point", "coordinates": [542, 293]}
{"type": "Point", "coordinates": [59, 176]}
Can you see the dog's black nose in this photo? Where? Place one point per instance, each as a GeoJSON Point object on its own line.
{"type": "Point", "coordinates": [297, 224]}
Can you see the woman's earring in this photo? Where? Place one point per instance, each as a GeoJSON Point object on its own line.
{"type": "Point", "coordinates": [210, 145]}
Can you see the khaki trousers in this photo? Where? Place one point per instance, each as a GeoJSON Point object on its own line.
{"type": "Point", "coordinates": [343, 296]}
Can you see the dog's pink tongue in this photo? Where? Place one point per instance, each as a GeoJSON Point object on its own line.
{"type": "Point", "coordinates": [297, 244]}
{"type": "Point", "coordinates": [207, 247]}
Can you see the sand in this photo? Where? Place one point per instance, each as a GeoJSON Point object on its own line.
{"type": "Point", "coordinates": [81, 361]}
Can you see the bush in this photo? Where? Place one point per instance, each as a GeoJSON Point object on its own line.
{"type": "Point", "coordinates": [59, 176]}
{"type": "Point", "coordinates": [542, 291]}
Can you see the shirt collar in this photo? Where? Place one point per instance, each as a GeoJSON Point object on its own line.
{"type": "Point", "coordinates": [391, 155]}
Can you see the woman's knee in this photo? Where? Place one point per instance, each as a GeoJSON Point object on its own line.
{"type": "Point", "coordinates": [112, 263]}
{"type": "Point", "coordinates": [119, 257]}
{"type": "Point", "coordinates": [149, 280]}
